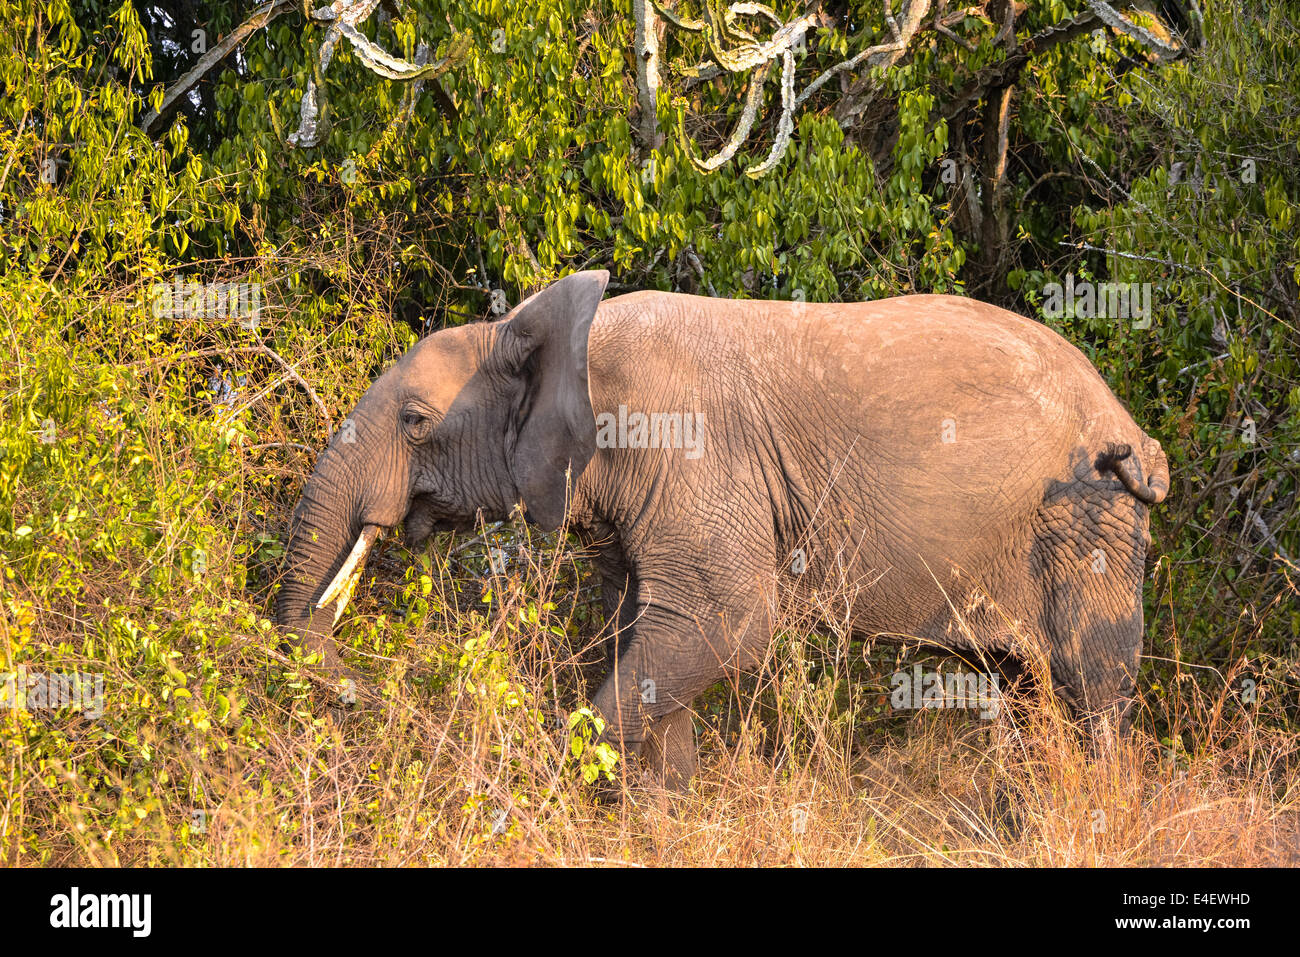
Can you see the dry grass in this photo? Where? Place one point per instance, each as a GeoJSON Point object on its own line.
{"type": "Point", "coordinates": [454, 757]}
{"type": "Point", "coordinates": [945, 795]}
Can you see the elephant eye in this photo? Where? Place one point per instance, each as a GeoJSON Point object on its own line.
{"type": "Point", "coordinates": [416, 424]}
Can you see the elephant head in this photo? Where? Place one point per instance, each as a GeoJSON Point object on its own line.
{"type": "Point", "coordinates": [469, 423]}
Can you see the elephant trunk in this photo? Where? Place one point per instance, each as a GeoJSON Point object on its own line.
{"type": "Point", "coordinates": [339, 517]}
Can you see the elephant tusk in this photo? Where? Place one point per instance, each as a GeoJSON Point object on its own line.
{"type": "Point", "coordinates": [345, 581]}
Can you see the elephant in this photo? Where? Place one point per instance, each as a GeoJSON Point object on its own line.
{"type": "Point", "coordinates": [958, 474]}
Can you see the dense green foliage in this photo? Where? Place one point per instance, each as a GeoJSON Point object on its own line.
{"type": "Point", "coordinates": [148, 464]}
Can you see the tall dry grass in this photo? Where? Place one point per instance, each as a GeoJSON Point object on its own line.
{"type": "Point", "coordinates": [454, 754]}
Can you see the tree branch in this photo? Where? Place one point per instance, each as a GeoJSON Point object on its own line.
{"type": "Point", "coordinates": [343, 16]}
{"type": "Point", "coordinates": [645, 45]}
{"type": "Point", "coordinates": [260, 18]}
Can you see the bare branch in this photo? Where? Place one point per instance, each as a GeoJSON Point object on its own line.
{"type": "Point", "coordinates": [882, 55]}
{"type": "Point", "coordinates": [785, 126]}
{"type": "Point", "coordinates": [1108, 15]}
{"type": "Point", "coordinates": [343, 16]}
{"type": "Point", "coordinates": [753, 100]}
{"type": "Point", "coordinates": [260, 18]}
{"type": "Point", "coordinates": [645, 45]}
{"type": "Point", "coordinates": [719, 25]}
{"type": "Point", "coordinates": [699, 269]}
{"type": "Point", "coordinates": [1008, 71]}
{"type": "Point", "coordinates": [292, 373]}
{"type": "Point", "coordinates": [732, 50]}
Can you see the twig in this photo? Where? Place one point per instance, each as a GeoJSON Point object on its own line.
{"type": "Point", "coordinates": [279, 445]}
{"type": "Point", "coordinates": [261, 348]}
{"type": "Point", "coordinates": [694, 260]}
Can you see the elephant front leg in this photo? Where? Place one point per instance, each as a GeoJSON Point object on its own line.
{"type": "Point", "coordinates": [618, 599]}
{"type": "Point", "coordinates": [669, 751]}
{"type": "Point", "coordinates": [668, 662]}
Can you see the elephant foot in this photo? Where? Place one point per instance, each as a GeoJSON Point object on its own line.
{"type": "Point", "coordinates": [666, 760]}
{"type": "Point", "coordinates": [668, 754]}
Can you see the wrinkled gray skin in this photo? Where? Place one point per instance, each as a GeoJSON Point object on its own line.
{"type": "Point", "coordinates": [950, 471]}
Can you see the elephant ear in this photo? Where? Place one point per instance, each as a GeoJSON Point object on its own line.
{"type": "Point", "coordinates": [544, 343]}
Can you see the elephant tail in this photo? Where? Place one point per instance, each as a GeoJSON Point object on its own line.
{"type": "Point", "coordinates": [1119, 459]}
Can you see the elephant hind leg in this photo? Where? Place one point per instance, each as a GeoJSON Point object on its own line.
{"type": "Point", "coordinates": [1017, 684]}
{"type": "Point", "coordinates": [1091, 563]}
{"type": "Point", "coordinates": [1096, 650]}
